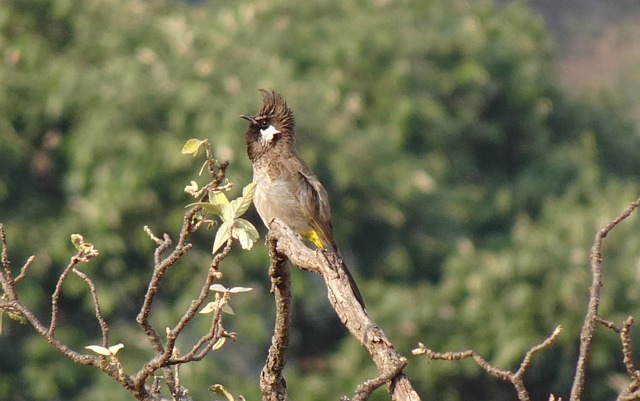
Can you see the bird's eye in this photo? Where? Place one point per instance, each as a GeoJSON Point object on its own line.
{"type": "Point", "coordinates": [264, 124]}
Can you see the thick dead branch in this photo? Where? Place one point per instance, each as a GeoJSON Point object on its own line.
{"type": "Point", "coordinates": [389, 362]}
{"type": "Point", "coordinates": [272, 381]}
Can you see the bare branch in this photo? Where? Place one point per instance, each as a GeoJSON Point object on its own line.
{"type": "Point", "coordinates": [346, 305]}
{"type": "Point", "coordinates": [458, 356]}
{"type": "Point", "coordinates": [153, 237]}
{"type": "Point", "coordinates": [364, 390]}
{"type": "Point", "coordinates": [159, 269]}
{"type": "Point", "coordinates": [23, 270]}
{"type": "Point", "coordinates": [626, 349]}
{"type": "Point", "coordinates": [272, 381]}
{"type": "Point", "coordinates": [165, 357]}
{"type": "Point", "coordinates": [98, 312]}
{"type": "Point", "coordinates": [6, 263]}
{"type": "Point", "coordinates": [588, 326]}
{"type": "Point", "coordinates": [608, 324]}
{"type": "Point", "coordinates": [514, 378]}
{"type": "Point", "coordinates": [632, 391]}
{"type": "Point", "coordinates": [529, 355]}
{"type": "Point", "coordinates": [56, 293]}
{"type": "Point", "coordinates": [204, 291]}
{"type": "Point", "coordinates": [164, 354]}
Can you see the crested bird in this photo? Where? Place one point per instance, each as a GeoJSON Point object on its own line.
{"type": "Point", "coordinates": [286, 187]}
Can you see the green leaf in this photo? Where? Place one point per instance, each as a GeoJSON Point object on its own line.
{"type": "Point", "coordinates": [238, 206]}
{"type": "Point", "coordinates": [222, 236]}
{"type": "Point", "coordinates": [227, 309]}
{"type": "Point", "coordinates": [221, 391]}
{"type": "Point", "coordinates": [192, 147]}
{"type": "Point", "coordinates": [228, 214]}
{"type": "Point", "coordinates": [245, 201]}
{"type": "Point", "coordinates": [17, 317]}
{"type": "Point", "coordinates": [214, 209]}
{"type": "Point", "coordinates": [245, 232]}
{"type": "Point", "coordinates": [218, 198]}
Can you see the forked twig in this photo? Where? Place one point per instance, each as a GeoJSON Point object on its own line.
{"type": "Point", "coordinates": [591, 318]}
{"type": "Point", "coordinates": [104, 328]}
{"type": "Point", "coordinates": [58, 289]}
{"type": "Point", "coordinates": [514, 377]}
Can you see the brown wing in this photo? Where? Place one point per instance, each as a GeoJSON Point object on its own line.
{"type": "Point", "coordinates": [314, 200]}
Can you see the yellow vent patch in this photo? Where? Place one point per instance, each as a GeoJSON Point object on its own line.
{"type": "Point", "coordinates": [312, 236]}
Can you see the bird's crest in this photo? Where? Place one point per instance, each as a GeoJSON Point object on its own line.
{"type": "Point", "coordinates": [276, 110]}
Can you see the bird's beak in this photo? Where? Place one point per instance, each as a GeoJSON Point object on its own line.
{"type": "Point", "coordinates": [249, 118]}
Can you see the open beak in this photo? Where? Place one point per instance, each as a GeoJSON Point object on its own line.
{"type": "Point", "coordinates": [249, 118]}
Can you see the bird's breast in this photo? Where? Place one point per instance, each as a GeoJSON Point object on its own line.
{"type": "Point", "coordinates": [274, 198]}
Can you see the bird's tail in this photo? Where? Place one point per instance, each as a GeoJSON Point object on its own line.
{"type": "Point", "coordinates": [312, 236]}
{"type": "Point", "coordinates": [352, 282]}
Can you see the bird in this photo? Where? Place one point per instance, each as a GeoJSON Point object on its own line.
{"type": "Point", "coordinates": [286, 187]}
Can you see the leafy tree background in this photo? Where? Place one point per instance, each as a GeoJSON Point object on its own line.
{"type": "Point", "coordinates": [467, 180]}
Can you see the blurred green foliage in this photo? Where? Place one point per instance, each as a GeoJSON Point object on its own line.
{"type": "Point", "coordinates": [465, 187]}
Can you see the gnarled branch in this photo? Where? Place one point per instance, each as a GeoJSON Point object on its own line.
{"type": "Point", "coordinates": [389, 362]}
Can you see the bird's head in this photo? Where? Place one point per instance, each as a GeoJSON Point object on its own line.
{"type": "Point", "coordinates": [272, 127]}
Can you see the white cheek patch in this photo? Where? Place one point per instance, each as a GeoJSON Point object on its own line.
{"type": "Point", "coordinates": [269, 133]}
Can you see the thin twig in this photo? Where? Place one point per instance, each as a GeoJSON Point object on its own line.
{"type": "Point", "coordinates": [163, 358]}
{"type": "Point", "coordinates": [364, 390]}
{"type": "Point", "coordinates": [6, 263]}
{"type": "Point", "coordinates": [631, 392]}
{"type": "Point", "coordinates": [588, 326]}
{"type": "Point", "coordinates": [47, 333]}
{"type": "Point", "coordinates": [163, 354]}
{"type": "Point", "coordinates": [629, 396]}
{"type": "Point", "coordinates": [104, 328]}
{"type": "Point", "coordinates": [626, 350]}
{"type": "Point", "coordinates": [608, 324]}
{"type": "Point", "coordinates": [154, 283]}
{"type": "Point", "coordinates": [153, 237]}
{"type": "Point", "coordinates": [529, 355]}
{"type": "Point", "coordinates": [204, 291]}
{"type": "Point", "coordinates": [514, 378]}
{"type": "Point", "coordinates": [23, 270]}
{"type": "Point", "coordinates": [75, 259]}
